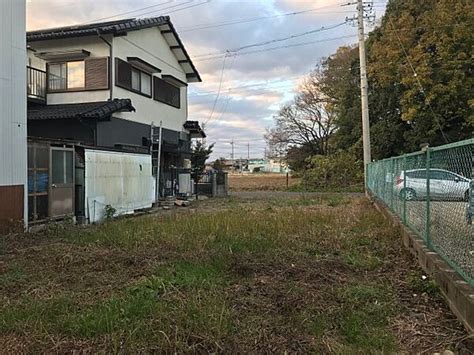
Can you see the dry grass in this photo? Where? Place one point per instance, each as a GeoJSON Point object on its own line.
{"type": "Point", "coordinates": [322, 275]}
{"type": "Point", "coordinates": [261, 182]}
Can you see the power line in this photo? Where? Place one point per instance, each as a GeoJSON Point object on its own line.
{"type": "Point", "coordinates": [243, 89]}
{"type": "Point", "coordinates": [207, 93]}
{"type": "Point", "coordinates": [323, 28]}
{"type": "Point", "coordinates": [254, 19]}
{"type": "Point", "coordinates": [270, 41]}
{"type": "Point", "coordinates": [154, 11]}
{"type": "Point", "coordinates": [218, 91]}
{"type": "Point", "coordinates": [129, 12]}
{"type": "Point", "coordinates": [279, 47]}
{"type": "Point", "coordinates": [150, 53]}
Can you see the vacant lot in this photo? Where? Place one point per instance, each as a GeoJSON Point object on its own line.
{"type": "Point", "coordinates": [261, 182]}
{"type": "Point", "coordinates": [321, 274]}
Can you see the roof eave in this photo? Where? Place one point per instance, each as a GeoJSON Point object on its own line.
{"type": "Point", "coordinates": [188, 58]}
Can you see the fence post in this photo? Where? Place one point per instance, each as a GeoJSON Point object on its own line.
{"type": "Point", "coordinates": [428, 198]}
{"type": "Point", "coordinates": [404, 189]}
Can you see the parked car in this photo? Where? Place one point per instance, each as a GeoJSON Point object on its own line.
{"type": "Point", "coordinates": [444, 185]}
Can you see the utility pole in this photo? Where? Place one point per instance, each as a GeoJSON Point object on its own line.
{"type": "Point", "coordinates": [232, 155]}
{"type": "Point", "coordinates": [362, 8]}
{"type": "Point", "coordinates": [248, 151]}
{"type": "Point", "coordinates": [364, 89]}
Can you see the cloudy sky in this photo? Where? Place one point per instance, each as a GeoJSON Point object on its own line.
{"type": "Point", "coordinates": [256, 80]}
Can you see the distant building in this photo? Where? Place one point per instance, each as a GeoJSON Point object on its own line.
{"type": "Point", "coordinates": [254, 165]}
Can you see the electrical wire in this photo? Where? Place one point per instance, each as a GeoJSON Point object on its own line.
{"type": "Point", "coordinates": [218, 91]}
{"type": "Point", "coordinates": [258, 44]}
{"type": "Point", "coordinates": [128, 12]}
{"type": "Point", "coordinates": [153, 11]}
{"type": "Point", "coordinates": [276, 48]}
{"type": "Point", "coordinates": [181, 9]}
{"type": "Point", "coordinates": [207, 93]}
{"type": "Point", "coordinates": [150, 53]}
{"type": "Point", "coordinates": [227, 101]}
{"type": "Point", "coordinates": [323, 28]}
{"type": "Point", "coordinates": [254, 19]}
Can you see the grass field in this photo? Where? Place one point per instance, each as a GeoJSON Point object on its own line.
{"type": "Point", "coordinates": [261, 182]}
{"type": "Point", "coordinates": [326, 274]}
{"type": "Point", "coordinates": [278, 182]}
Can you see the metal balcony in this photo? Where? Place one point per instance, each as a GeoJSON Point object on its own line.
{"type": "Point", "coordinates": [36, 84]}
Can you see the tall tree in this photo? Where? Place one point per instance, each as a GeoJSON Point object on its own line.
{"type": "Point", "coordinates": [308, 120]}
{"type": "Point", "coordinates": [421, 57]}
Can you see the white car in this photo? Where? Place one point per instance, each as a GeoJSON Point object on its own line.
{"type": "Point", "coordinates": [444, 185]}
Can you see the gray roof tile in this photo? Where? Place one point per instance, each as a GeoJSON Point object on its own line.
{"type": "Point", "coordinates": [87, 110]}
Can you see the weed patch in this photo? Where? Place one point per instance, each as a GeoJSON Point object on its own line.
{"type": "Point", "coordinates": [322, 274]}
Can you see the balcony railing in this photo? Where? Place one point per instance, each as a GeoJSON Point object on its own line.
{"type": "Point", "coordinates": [36, 84]}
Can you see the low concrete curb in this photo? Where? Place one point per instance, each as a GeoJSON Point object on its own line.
{"type": "Point", "coordinates": [459, 294]}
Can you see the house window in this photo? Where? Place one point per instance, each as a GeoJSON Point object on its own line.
{"type": "Point", "coordinates": [141, 82]}
{"type": "Point", "coordinates": [166, 92]}
{"type": "Point", "coordinates": [132, 78]}
{"type": "Point", "coordinates": [145, 83]}
{"type": "Point", "coordinates": [135, 79]}
{"type": "Point", "coordinates": [66, 76]}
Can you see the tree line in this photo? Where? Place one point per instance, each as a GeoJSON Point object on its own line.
{"type": "Point", "coordinates": [420, 72]}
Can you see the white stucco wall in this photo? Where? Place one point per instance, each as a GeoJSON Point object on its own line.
{"type": "Point", "coordinates": [150, 45]}
{"type": "Point", "coordinates": [13, 144]}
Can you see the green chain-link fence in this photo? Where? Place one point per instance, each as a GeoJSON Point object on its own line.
{"type": "Point", "coordinates": [432, 191]}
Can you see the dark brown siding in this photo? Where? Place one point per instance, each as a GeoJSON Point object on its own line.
{"type": "Point", "coordinates": [97, 73]}
{"type": "Point", "coordinates": [123, 74]}
{"type": "Point", "coordinates": [11, 208]}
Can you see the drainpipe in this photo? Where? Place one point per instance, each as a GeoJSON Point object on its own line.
{"type": "Point", "coordinates": [111, 52]}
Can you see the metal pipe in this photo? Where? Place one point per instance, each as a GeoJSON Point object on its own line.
{"type": "Point", "coordinates": [111, 53]}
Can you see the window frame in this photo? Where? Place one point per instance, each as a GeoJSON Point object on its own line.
{"type": "Point", "coordinates": [155, 98]}
{"type": "Point", "coordinates": [65, 62]}
{"type": "Point", "coordinates": [140, 72]}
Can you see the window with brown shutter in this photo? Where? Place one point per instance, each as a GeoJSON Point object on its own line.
{"type": "Point", "coordinates": [131, 78]}
{"type": "Point", "coordinates": [97, 73]}
{"type": "Point", "coordinates": [123, 74]}
{"type": "Point", "coordinates": [166, 92]}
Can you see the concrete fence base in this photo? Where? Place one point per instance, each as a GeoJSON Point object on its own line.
{"type": "Point", "coordinates": [458, 293]}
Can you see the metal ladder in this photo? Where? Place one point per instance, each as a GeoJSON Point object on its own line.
{"type": "Point", "coordinates": [155, 152]}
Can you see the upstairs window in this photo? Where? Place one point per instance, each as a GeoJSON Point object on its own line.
{"type": "Point", "coordinates": [66, 76]}
{"type": "Point", "coordinates": [89, 74]}
{"type": "Point", "coordinates": [166, 92]}
{"type": "Point", "coordinates": [131, 78]}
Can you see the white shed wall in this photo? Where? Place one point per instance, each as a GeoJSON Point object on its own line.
{"type": "Point", "coordinates": [13, 144]}
{"type": "Point", "coordinates": [121, 180]}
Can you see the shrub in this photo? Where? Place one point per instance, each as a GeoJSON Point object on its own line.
{"type": "Point", "coordinates": [339, 170]}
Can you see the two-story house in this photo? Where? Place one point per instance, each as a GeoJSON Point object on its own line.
{"type": "Point", "coordinates": [98, 97]}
